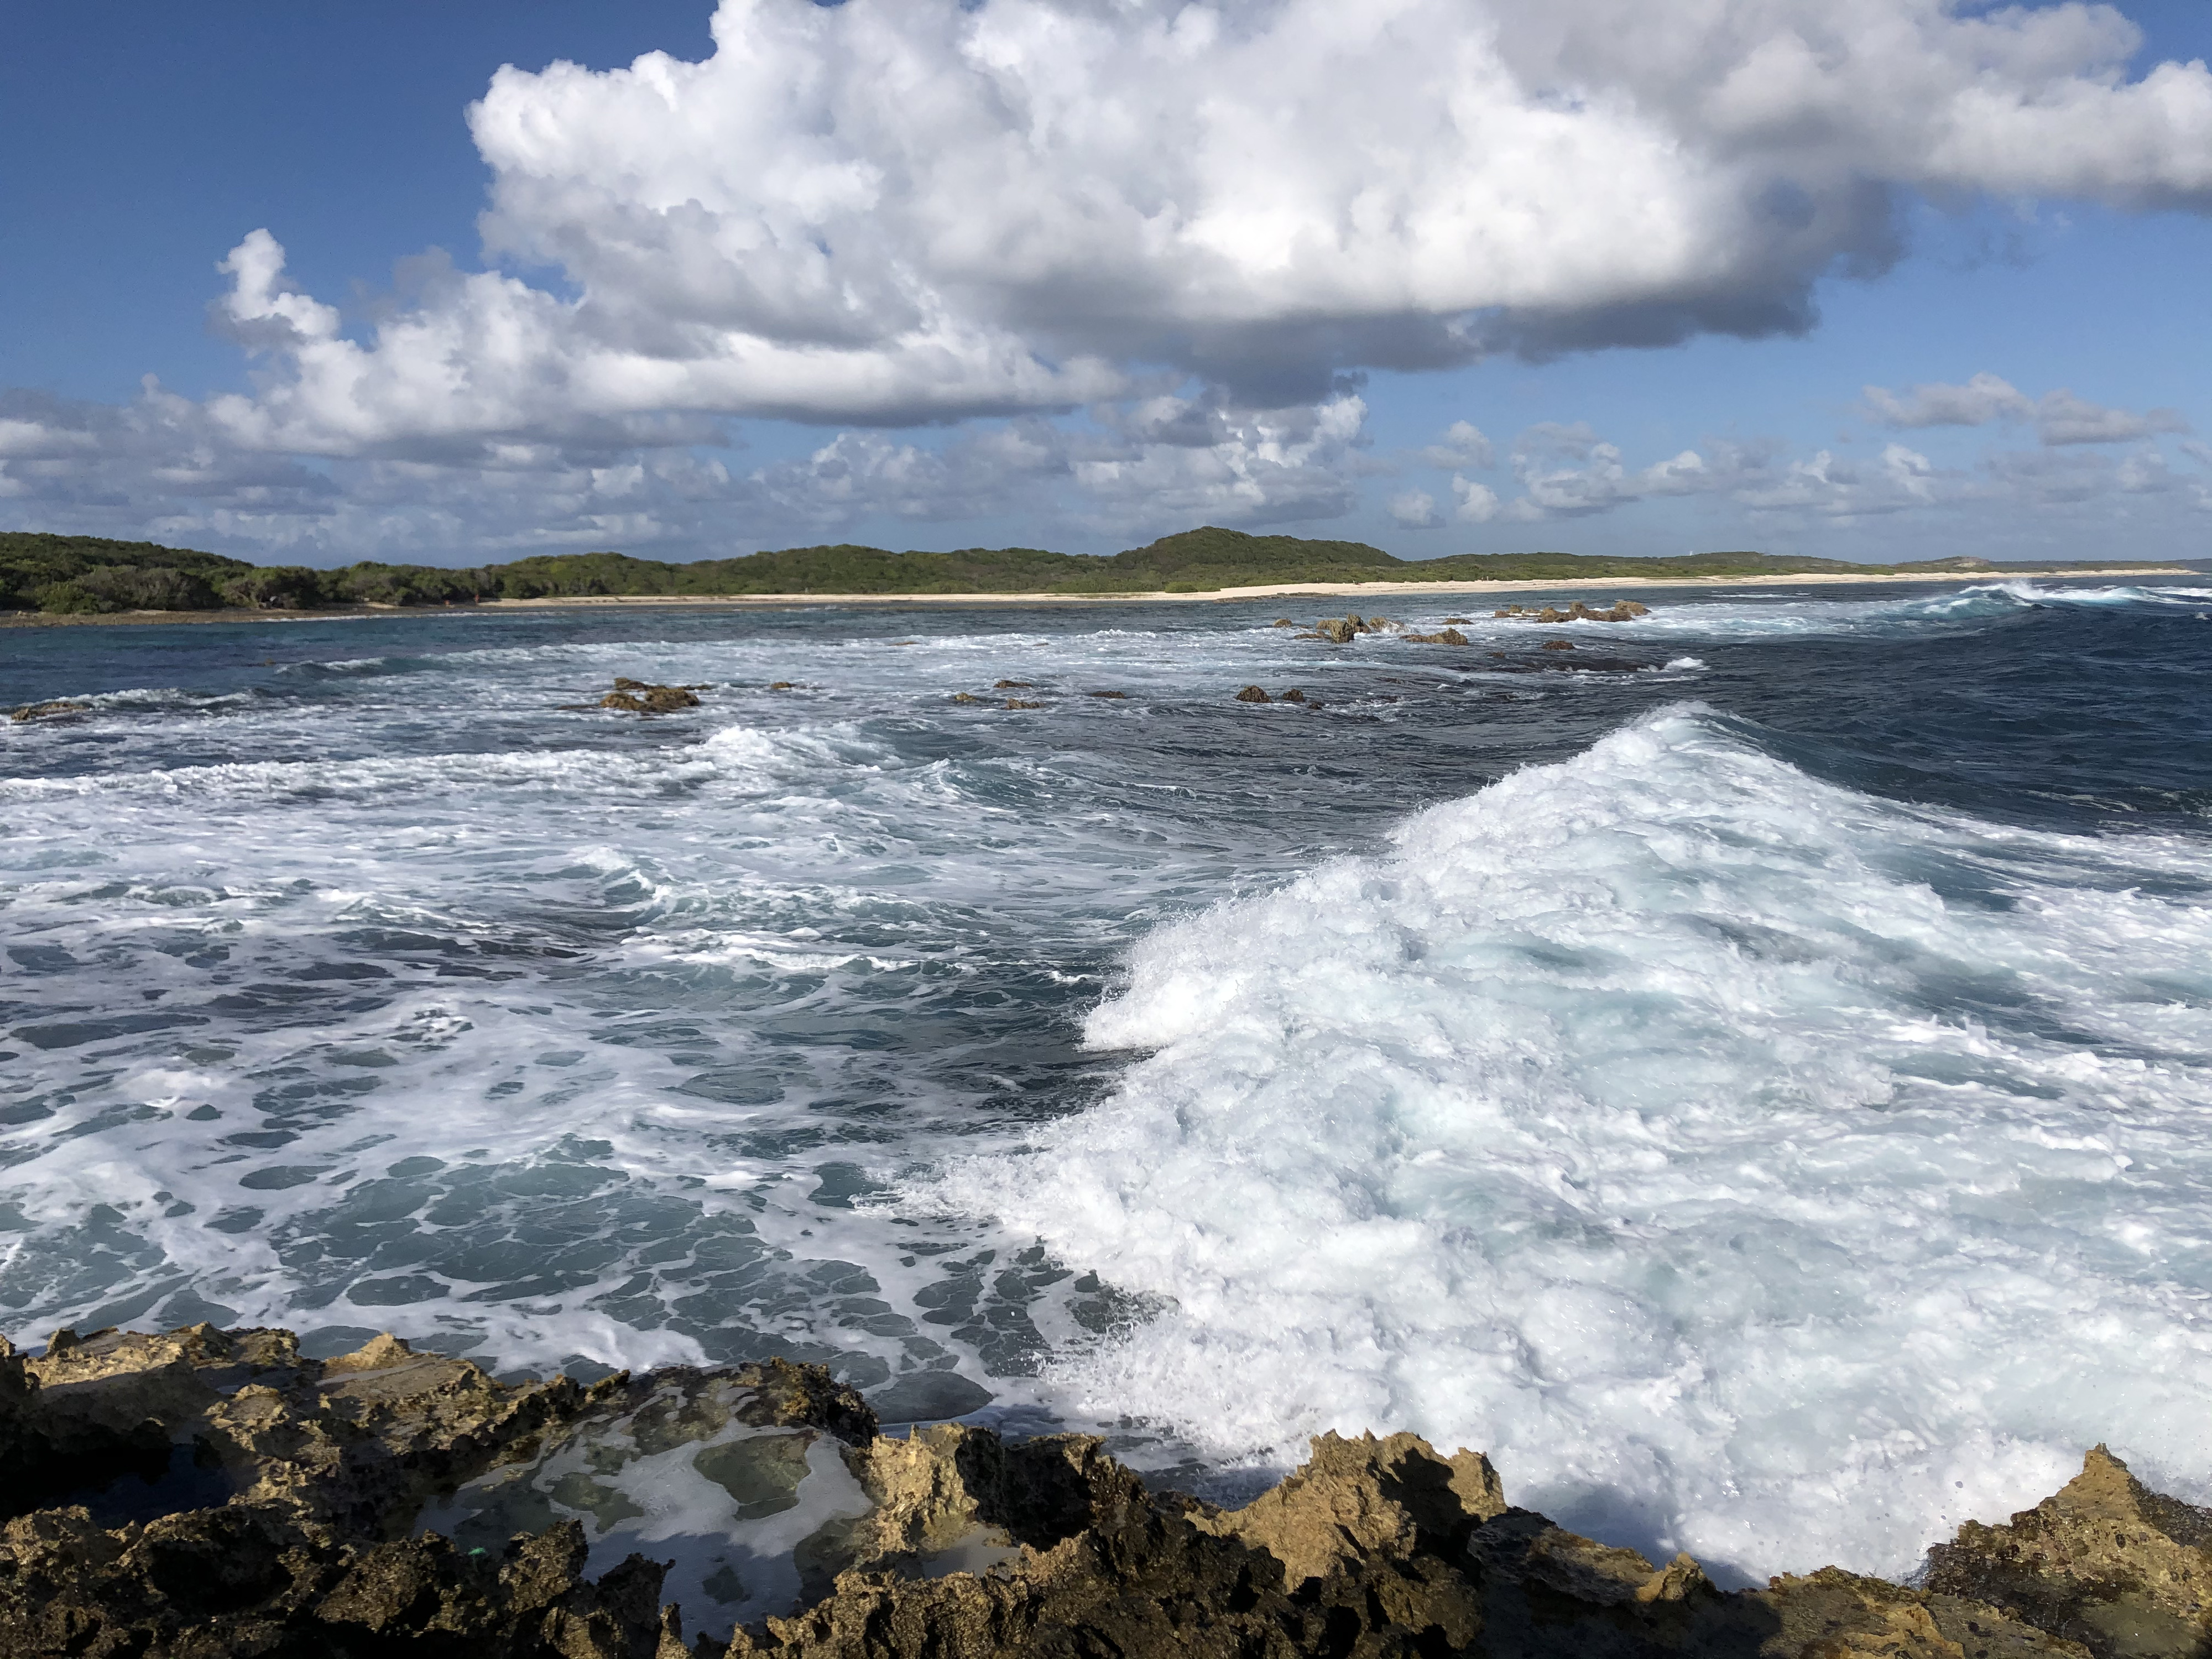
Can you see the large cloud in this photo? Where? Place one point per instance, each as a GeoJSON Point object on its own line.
{"type": "Point", "coordinates": [897, 211]}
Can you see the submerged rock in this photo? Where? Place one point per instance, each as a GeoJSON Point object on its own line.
{"type": "Point", "coordinates": [206, 1493]}
{"type": "Point", "coordinates": [1016, 702]}
{"type": "Point", "coordinates": [1011, 685]}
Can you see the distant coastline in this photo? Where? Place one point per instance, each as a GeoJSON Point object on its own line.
{"type": "Point", "coordinates": [46, 579]}
{"type": "Point", "coordinates": [1405, 586]}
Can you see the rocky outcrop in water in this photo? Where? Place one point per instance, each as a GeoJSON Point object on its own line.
{"type": "Point", "coordinates": [207, 1492]}
{"type": "Point", "coordinates": [1622, 611]}
{"type": "Point", "coordinates": [42, 711]}
{"type": "Point", "coordinates": [642, 697]}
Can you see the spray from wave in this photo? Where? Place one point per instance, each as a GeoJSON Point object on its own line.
{"type": "Point", "coordinates": [1752, 1166]}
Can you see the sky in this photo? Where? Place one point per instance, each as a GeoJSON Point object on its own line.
{"type": "Point", "coordinates": [1870, 279]}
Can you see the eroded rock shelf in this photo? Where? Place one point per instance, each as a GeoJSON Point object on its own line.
{"type": "Point", "coordinates": [205, 1492]}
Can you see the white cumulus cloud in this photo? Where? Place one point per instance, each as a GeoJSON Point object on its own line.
{"type": "Point", "coordinates": [895, 211]}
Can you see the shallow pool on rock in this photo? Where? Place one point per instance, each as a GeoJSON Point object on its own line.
{"type": "Point", "coordinates": [750, 1515]}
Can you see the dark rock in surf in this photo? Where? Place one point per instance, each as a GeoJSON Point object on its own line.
{"type": "Point", "coordinates": [1558, 645]}
{"type": "Point", "coordinates": [1252, 694]}
{"type": "Point", "coordinates": [43, 711]}
{"type": "Point", "coordinates": [642, 697]}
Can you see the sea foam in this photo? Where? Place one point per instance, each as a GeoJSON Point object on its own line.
{"type": "Point", "coordinates": [1750, 1166]}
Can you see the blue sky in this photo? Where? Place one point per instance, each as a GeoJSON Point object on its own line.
{"type": "Point", "coordinates": [2061, 248]}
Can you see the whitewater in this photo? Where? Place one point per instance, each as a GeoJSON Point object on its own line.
{"type": "Point", "coordinates": [1749, 1074]}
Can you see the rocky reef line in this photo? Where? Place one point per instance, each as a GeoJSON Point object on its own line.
{"type": "Point", "coordinates": [206, 1493]}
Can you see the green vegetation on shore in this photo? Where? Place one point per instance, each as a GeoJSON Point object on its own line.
{"type": "Point", "coordinates": [80, 574]}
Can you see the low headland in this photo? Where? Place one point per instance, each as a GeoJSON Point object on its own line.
{"type": "Point", "coordinates": [205, 1492]}
{"type": "Point", "coordinates": [47, 578]}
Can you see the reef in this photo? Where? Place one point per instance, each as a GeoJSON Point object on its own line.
{"type": "Point", "coordinates": [205, 1492]}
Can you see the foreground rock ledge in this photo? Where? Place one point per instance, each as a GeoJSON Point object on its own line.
{"type": "Point", "coordinates": [208, 1492]}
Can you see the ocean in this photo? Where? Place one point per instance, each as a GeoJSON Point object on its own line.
{"type": "Point", "coordinates": [1751, 1074]}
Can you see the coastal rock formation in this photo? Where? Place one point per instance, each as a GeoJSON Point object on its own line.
{"type": "Point", "coordinates": [40, 711]}
{"type": "Point", "coordinates": [207, 1492]}
{"type": "Point", "coordinates": [1253, 693]}
{"type": "Point", "coordinates": [2106, 1561]}
{"type": "Point", "coordinates": [1622, 611]}
{"type": "Point", "coordinates": [642, 697]}
{"type": "Point", "coordinates": [1446, 636]}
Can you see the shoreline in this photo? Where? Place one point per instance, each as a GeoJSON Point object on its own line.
{"type": "Point", "coordinates": [1212, 596]}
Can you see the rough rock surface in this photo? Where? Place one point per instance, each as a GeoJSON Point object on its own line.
{"type": "Point", "coordinates": [1447, 636]}
{"type": "Point", "coordinates": [1620, 610]}
{"type": "Point", "coordinates": [2106, 1561]}
{"type": "Point", "coordinates": [641, 697]}
{"type": "Point", "coordinates": [205, 1492]}
{"type": "Point", "coordinates": [40, 711]}
{"type": "Point", "coordinates": [1254, 693]}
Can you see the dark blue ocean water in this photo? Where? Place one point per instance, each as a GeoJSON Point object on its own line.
{"type": "Point", "coordinates": [1766, 1042]}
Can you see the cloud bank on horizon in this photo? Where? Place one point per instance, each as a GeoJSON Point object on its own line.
{"type": "Point", "coordinates": [1192, 221]}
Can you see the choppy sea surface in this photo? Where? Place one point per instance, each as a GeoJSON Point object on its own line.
{"type": "Point", "coordinates": [1755, 1082]}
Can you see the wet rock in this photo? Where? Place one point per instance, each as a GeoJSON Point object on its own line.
{"type": "Point", "coordinates": [321, 1467]}
{"type": "Point", "coordinates": [1292, 695]}
{"type": "Point", "coordinates": [641, 697]}
{"type": "Point", "coordinates": [1558, 645]}
{"type": "Point", "coordinates": [963, 696]}
{"type": "Point", "coordinates": [1016, 702]}
{"type": "Point", "coordinates": [1450, 621]}
{"type": "Point", "coordinates": [40, 711]}
{"type": "Point", "coordinates": [1253, 693]}
{"type": "Point", "coordinates": [786, 685]}
{"type": "Point", "coordinates": [1116, 697]}
{"type": "Point", "coordinates": [1447, 636]}
{"type": "Point", "coordinates": [1011, 685]}
{"type": "Point", "coordinates": [1284, 621]}
{"type": "Point", "coordinates": [1337, 633]}
{"type": "Point", "coordinates": [2106, 1562]}
{"type": "Point", "coordinates": [365, 1502]}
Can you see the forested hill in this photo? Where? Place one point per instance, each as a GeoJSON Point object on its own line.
{"type": "Point", "coordinates": [84, 574]}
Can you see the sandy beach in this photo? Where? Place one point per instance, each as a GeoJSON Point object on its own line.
{"type": "Point", "coordinates": [1331, 590]}
{"type": "Point", "coordinates": [1212, 596]}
